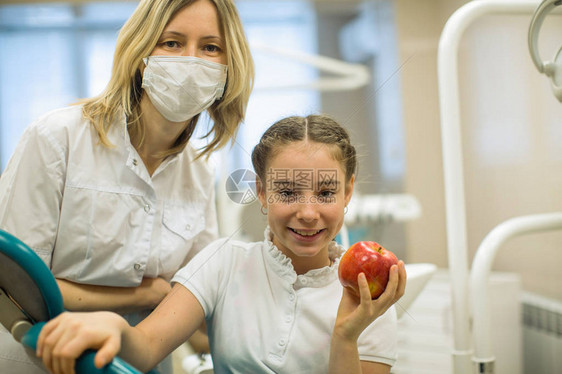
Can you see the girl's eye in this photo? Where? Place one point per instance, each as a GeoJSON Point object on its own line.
{"type": "Point", "coordinates": [325, 196]}
{"type": "Point", "coordinates": [286, 196]}
{"type": "Point", "coordinates": [286, 193]}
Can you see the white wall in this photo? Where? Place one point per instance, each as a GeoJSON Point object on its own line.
{"type": "Point", "coordinates": [512, 137]}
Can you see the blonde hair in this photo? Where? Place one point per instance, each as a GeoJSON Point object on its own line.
{"type": "Point", "coordinates": [136, 40]}
{"type": "Point", "coordinates": [316, 128]}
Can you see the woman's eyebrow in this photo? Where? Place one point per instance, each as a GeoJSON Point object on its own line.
{"type": "Point", "coordinates": [171, 33]}
{"type": "Point", "coordinates": [212, 37]}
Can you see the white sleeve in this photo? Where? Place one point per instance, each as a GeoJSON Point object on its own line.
{"type": "Point", "coordinates": [206, 276]}
{"type": "Point", "coordinates": [31, 190]}
{"type": "Point", "coordinates": [378, 342]}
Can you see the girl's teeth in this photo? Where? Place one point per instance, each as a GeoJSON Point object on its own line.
{"type": "Point", "coordinates": [306, 233]}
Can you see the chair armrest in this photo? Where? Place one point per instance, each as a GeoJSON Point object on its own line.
{"type": "Point", "coordinates": [85, 363]}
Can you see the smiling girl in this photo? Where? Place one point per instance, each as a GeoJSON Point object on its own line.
{"type": "Point", "coordinates": [274, 306]}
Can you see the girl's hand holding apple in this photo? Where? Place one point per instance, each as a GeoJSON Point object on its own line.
{"type": "Point", "coordinates": [373, 281]}
{"type": "Point", "coordinates": [369, 258]}
{"type": "Point", "coordinates": [356, 313]}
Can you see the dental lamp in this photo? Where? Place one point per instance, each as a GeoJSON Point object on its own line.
{"type": "Point", "coordinates": [552, 69]}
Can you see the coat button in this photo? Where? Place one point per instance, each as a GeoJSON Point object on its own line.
{"type": "Point", "coordinates": [135, 162]}
{"type": "Point", "coordinates": [137, 266]}
{"type": "Point", "coordinates": [147, 208]}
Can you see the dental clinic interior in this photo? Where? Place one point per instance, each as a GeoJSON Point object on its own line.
{"type": "Point", "coordinates": [455, 109]}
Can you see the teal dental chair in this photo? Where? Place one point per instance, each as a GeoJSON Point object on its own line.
{"type": "Point", "coordinates": [30, 296]}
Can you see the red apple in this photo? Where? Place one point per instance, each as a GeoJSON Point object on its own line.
{"type": "Point", "coordinates": [371, 259]}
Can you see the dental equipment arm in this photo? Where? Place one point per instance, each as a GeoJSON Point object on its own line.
{"type": "Point", "coordinates": [479, 275]}
{"type": "Point", "coordinates": [30, 296]}
{"type": "Point", "coordinates": [449, 103]}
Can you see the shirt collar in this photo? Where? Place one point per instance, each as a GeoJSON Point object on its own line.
{"type": "Point", "coordinates": [313, 278]}
{"type": "Point", "coordinates": [122, 138]}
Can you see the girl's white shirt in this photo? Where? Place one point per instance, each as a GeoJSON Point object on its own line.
{"type": "Point", "coordinates": [263, 317]}
{"type": "Point", "coordinates": [93, 214]}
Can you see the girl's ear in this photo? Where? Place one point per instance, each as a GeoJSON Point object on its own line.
{"type": "Point", "coordinates": [260, 190]}
{"type": "Point", "coordinates": [349, 189]}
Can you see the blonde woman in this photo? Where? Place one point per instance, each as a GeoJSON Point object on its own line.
{"type": "Point", "coordinates": [110, 192]}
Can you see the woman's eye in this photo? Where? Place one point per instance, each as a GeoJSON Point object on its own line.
{"type": "Point", "coordinates": [171, 44]}
{"type": "Point", "coordinates": [212, 48]}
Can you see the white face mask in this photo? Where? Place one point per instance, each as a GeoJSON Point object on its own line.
{"type": "Point", "coordinates": [181, 87]}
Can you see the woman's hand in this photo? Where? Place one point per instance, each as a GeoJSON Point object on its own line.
{"type": "Point", "coordinates": [86, 297]}
{"type": "Point", "coordinates": [153, 291]}
{"type": "Point", "coordinates": [63, 339]}
{"type": "Point", "coordinates": [355, 314]}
